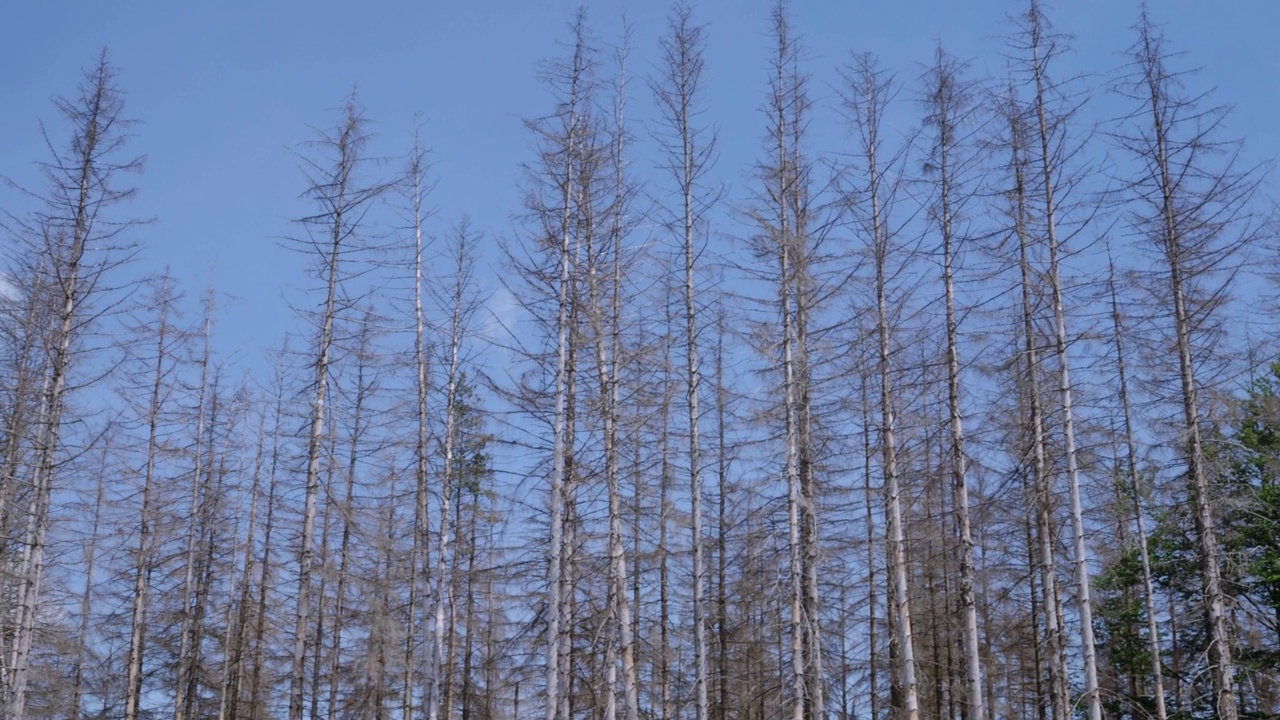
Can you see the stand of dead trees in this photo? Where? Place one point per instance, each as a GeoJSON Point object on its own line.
{"type": "Point", "coordinates": [951, 416]}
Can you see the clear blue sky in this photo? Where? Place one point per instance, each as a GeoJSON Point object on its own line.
{"type": "Point", "coordinates": [225, 91]}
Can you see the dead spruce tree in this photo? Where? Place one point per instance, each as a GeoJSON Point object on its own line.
{"type": "Point", "coordinates": [332, 241]}
{"type": "Point", "coordinates": [688, 157]}
{"type": "Point", "coordinates": [547, 280]}
{"type": "Point", "coordinates": [606, 319]}
{"type": "Point", "coordinates": [1189, 199]}
{"type": "Point", "coordinates": [951, 121]}
{"type": "Point", "coordinates": [74, 241]}
{"type": "Point", "coordinates": [1134, 490]}
{"type": "Point", "coordinates": [459, 302]}
{"type": "Point", "coordinates": [1052, 115]}
{"type": "Point", "coordinates": [160, 377]}
{"type": "Point", "coordinates": [867, 93]}
{"type": "Point", "coordinates": [416, 187]}
{"type": "Point", "coordinates": [789, 233]}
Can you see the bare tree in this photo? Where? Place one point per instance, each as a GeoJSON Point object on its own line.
{"type": "Point", "coordinates": [78, 246]}
{"type": "Point", "coordinates": [789, 236]}
{"type": "Point", "coordinates": [167, 341]}
{"type": "Point", "coordinates": [1021, 199]}
{"type": "Point", "coordinates": [236, 665]}
{"type": "Point", "coordinates": [1189, 197]}
{"type": "Point", "coordinates": [461, 305]}
{"type": "Point", "coordinates": [689, 152]}
{"type": "Point", "coordinates": [332, 236]}
{"type": "Point", "coordinates": [90, 560]}
{"type": "Point", "coordinates": [417, 188]}
{"type": "Point", "coordinates": [1135, 492]}
{"type": "Point", "coordinates": [1041, 48]}
{"type": "Point", "coordinates": [866, 96]}
{"type": "Point", "coordinates": [607, 330]}
{"type": "Point", "coordinates": [559, 200]}
{"type": "Point", "coordinates": [950, 114]}
{"type": "Point", "coordinates": [188, 650]}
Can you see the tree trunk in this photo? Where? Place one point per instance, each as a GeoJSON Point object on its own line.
{"type": "Point", "coordinates": [1178, 207]}
{"type": "Point", "coordinates": [144, 554]}
{"type": "Point", "coordinates": [1054, 641]}
{"type": "Point", "coordinates": [341, 210]}
{"type": "Point", "coordinates": [1083, 601]}
{"type": "Point", "coordinates": [867, 96]}
{"type": "Point", "coordinates": [1135, 492]}
{"type": "Point", "coordinates": [76, 253]}
{"type": "Point", "coordinates": [948, 110]}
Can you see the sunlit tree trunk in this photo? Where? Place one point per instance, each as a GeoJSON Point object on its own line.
{"type": "Point", "coordinates": [1049, 171]}
{"type": "Point", "coordinates": [332, 236]}
{"type": "Point", "coordinates": [948, 112]}
{"type": "Point", "coordinates": [1191, 199]}
{"type": "Point", "coordinates": [76, 251]}
{"type": "Point", "coordinates": [688, 158]}
{"type": "Point", "coordinates": [868, 91]}
{"type": "Point", "coordinates": [1054, 644]}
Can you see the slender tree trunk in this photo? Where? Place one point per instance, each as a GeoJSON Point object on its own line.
{"type": "Point", "coordinates": [607, 368]}
{"type": "Point", "coordinates": [235, 579]}
{"type": "Point", "coordinates": [1135, 492]}
{"type": "Point", "coordinates": [1083, 601]}
{"type": "Point", "coordinates": [451, 602]}
{"type": "Point", "coordinates": [234, 684]}
{"type": "Point", "coordinates": [342, 202]}
{"type": "Point", "coordinates": [868, 91]}
{"type": "Point", "coordinates": [421, 540]}
{"type": "Point", "coordinates": [682, 51]}
{"type": "Point", "coordinates": [86, 603]}
{"type": "Point", "coordinates": [636, 529]}
{"type": "Point", "coordinates": [211, 519]}
{"type": "Point", "coordinates": [1055, 645]}
{"type": "Point", "coordinates": [786, 190]}
{"type": "Point", "coordinates": [144, 554]}
{"type": "Point", "coordinates": [322, 587]}
{"type": "Point", "coordinates": [1176, 253]}
{"type": "Point", "coordinates": [257, 700]}
{"type": "Point", "coordinates": [457, 327]}
{"type": "Point", "coordinates": [722, 524]}
{"type": "Point", "coordinates": [468, 616]}
{"type": "Point", "coordinates": [561, 448]}
{"type": "Point", "coordinates": [665, 699]}
{"type": "Point", "coordinates": [22, 398]}
{"type": "Point", "coordinates": [346, 515]}
{"type": "Point", "coordinates": [947, 109]}
{"type": "Point", "coordinates": [185, 664]}
{"type": "Point", "coordinates": [873, 592]}
{"type": "Point", "coordinates": [67, 230]}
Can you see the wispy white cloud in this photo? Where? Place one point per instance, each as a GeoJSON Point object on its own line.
{"type": "Point", "coordinates": [9, 290]}
{"type": "Point", "coordinates": [500, 316]}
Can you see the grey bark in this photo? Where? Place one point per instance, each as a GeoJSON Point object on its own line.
{"type": "Point", "coordinates": [145, 551]}
{"type": "Point", "coordinates": [1135, 492]}
{"type": "Point", "coordinates": [342, 203]}
{"type": "Point", "coordinates": [79, 251]}
{"type": "Point", "coordinates": [1195, 212]}
{"type": "Point", "coordinates": [948, 111]}
{"type": "Point", "coordinates": [1049, 169]}
{"type": "Point", "coordinates": [688, 159]}
{"type": "Point", "coordinates": [867, 95]}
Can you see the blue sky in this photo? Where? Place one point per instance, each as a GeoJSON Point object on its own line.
{"type": "Point", "coordinates": [226, 91]}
